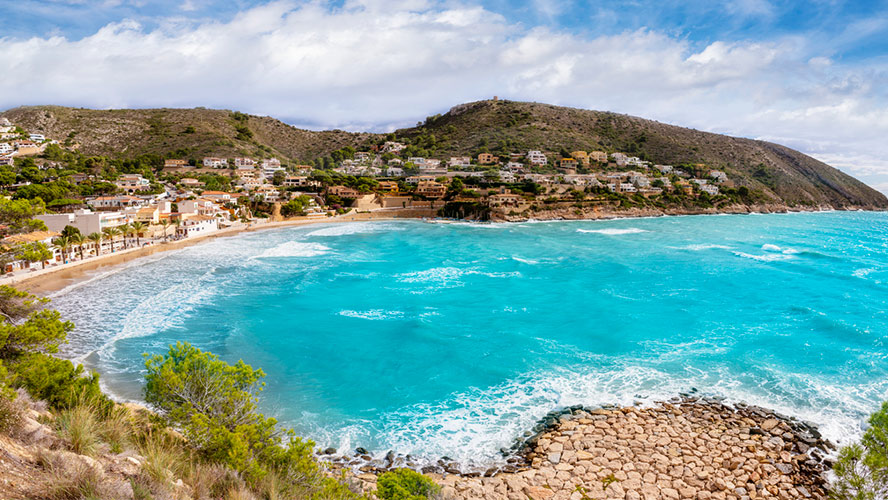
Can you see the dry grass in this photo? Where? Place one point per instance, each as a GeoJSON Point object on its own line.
{"type": "Point", "coordinates": [239, 493]}
{"type": "Point", "coordinates": [164, 461]}
{"type": "Point", "coordinates": [80, 428]}
{"type": "Point", "coordinates": [117, 429]}
{"type": "Point", "coordinates": [71, 483]}
{"type": "Point", "coordinates": [12, 410]}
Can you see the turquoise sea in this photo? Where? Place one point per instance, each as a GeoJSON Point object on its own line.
{"type": "Point", "coordinates": [453, 339]}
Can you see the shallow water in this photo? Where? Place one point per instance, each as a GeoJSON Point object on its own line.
{"type": "Point", "coordinates": [452, 339]}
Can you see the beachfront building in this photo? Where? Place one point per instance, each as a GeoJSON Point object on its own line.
{"type": "Point", "coordinates": [503, 200]}
{"type": "Point", "coordinates": [197, 225]}
{"type": "Point", "coordinates": [86, 221]}
{"type": "Point", "coordinates": [45, 237]}
{"type": "Point", "coordinates": [709, 189]}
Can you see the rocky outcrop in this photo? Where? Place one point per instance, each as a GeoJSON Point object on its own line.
{"type": "Point", "coordinates": [694, 449]}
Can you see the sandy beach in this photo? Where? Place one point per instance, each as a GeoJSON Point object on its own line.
{"type": "Point", "coordinates": [46, 281]}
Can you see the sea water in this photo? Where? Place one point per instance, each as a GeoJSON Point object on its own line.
{"type": "Point", "coordinates": [453, 339]}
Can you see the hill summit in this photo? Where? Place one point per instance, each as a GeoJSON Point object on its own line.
{"type": "Point", "coordinates": [500, 127]}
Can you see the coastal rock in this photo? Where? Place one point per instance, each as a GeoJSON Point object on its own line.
{"type": "Point", "coordinates": [689, 448]}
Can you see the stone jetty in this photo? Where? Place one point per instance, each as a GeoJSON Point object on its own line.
{"type": "Point", "coordinates": [696, 449]}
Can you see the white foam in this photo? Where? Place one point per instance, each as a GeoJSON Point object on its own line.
{"type": "Point", "coordinates": [702, 246]}
{"type": "Point", "coordinates": [294, 249]}
{"type": "Point", "coordinates": [345, 229]}
{"type": "Point", "coordinates": [764, 258]}
{"type": "Point", "coordinates": [373, 314]}
{"type": "Point", "coordinates": [444, 277]}
{"type": "Point", "coordinates": [471, 426]}
{"type": "Point", "coordinates": [863, 272]}
{"type": "Point", "coordinates": [613, 231]}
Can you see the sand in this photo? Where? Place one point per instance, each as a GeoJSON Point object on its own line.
{"type": "Point", "coordinates": [46, 281]}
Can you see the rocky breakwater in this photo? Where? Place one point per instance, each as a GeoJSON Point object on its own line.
{"type": "Point", "coordinates": [686, 449]}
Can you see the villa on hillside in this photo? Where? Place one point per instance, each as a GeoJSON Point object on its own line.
{"type": "Point", "coordinates": [213, 162]}
{"type": "Point", "coordinates": [173, 163]}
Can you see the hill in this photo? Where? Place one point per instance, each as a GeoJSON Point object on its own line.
{"type": "Point", "coordinates": [182, 133]}
{"type": "Point", "coordinates": [780, 173]}
{"type": "Point", "coordinates": [503, 126]}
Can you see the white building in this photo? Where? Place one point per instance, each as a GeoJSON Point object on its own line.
{"type": "Point", "coordinates": [710, 189]}
{"type": "Point", "coordinates": [459, 161]}
{"type": "Point", "coordinates": [212, 162]}
{"type": "Point", "coordinates": [718, 176]}
{"type": "Point", "coordinates": [37, 137]}
{"type": "Point", "coordinates": [537, 158]}
{"type": "Point", "coordinates": [244, 163]}
{"type": "Point", "coordinates": [86, 221]}
{"type": "Point", "coordinates": [132, 183]}
{"type": "Point", "coordinates": [5, 148]}
{"type": "Point", "coordinates": [506, 176]}
{"type": "Point", "coordinates": [197, 225]}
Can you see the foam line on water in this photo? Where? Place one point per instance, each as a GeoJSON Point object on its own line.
{"type": "Point", "coordinates": [472, 426]}
{"type": "Point", "coordinates": [345, 229]}
{"type": "Point", "coordinates": [293, 249]}
{"type": "Point", "coordinates": [613, 231]}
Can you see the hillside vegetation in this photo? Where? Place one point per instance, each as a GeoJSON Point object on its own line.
{"type": "Point", "coordinates": [780, 173]}
{"type": "Point", "coordinates": [504, 126]}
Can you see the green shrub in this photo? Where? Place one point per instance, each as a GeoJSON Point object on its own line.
{"type": "Point", "coordinates": [214, 403]}
{"type": "Point", "coordinates": [405, 484]}
{"type": "Point", "coordinates": [862, 468]}
{"type": "Point", "coordinates": [57, 381]}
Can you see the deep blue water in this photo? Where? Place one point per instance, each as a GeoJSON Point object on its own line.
{"type": "Point", "coordinates": [452, 339]}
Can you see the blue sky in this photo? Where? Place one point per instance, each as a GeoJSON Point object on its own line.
{"type": "Point", "coordinates": [812, 75]}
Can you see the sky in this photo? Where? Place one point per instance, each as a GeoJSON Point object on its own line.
{"type": "Point", "coordinates": [810, 74]}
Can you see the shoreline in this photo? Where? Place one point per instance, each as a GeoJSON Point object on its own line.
{"type": "Point", "coordinates": [55, 278]}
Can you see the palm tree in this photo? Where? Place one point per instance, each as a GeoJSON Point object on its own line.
{"type": "Point", "coordinates": [78, 240]}
{"type": "Point", "coordinates": [138, 228]}
{"type": "Point", "coordinates": [111, 233]}
{"type": "Point", "coordinates": [63, 244]}
{"type": "Point", "coordinates": [127, 231]}
{"type": "Point", "coordinates": [165, 223]}
{"type": "Point", "coordinates": [96, 239]}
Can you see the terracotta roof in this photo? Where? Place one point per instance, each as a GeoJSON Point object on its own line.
{"type": "Point", "coordinates": [31, 237]}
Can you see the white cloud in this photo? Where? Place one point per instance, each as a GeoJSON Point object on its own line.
{"type": "Point", "coordinates": [371, 62]}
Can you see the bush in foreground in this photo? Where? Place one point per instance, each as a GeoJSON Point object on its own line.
{"type": "Point", "coordinates": [214, 403]}
{"type": "Point", "coordinates": [406, 484]}
{"type": "Point", "coordinates": [862, 468]}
